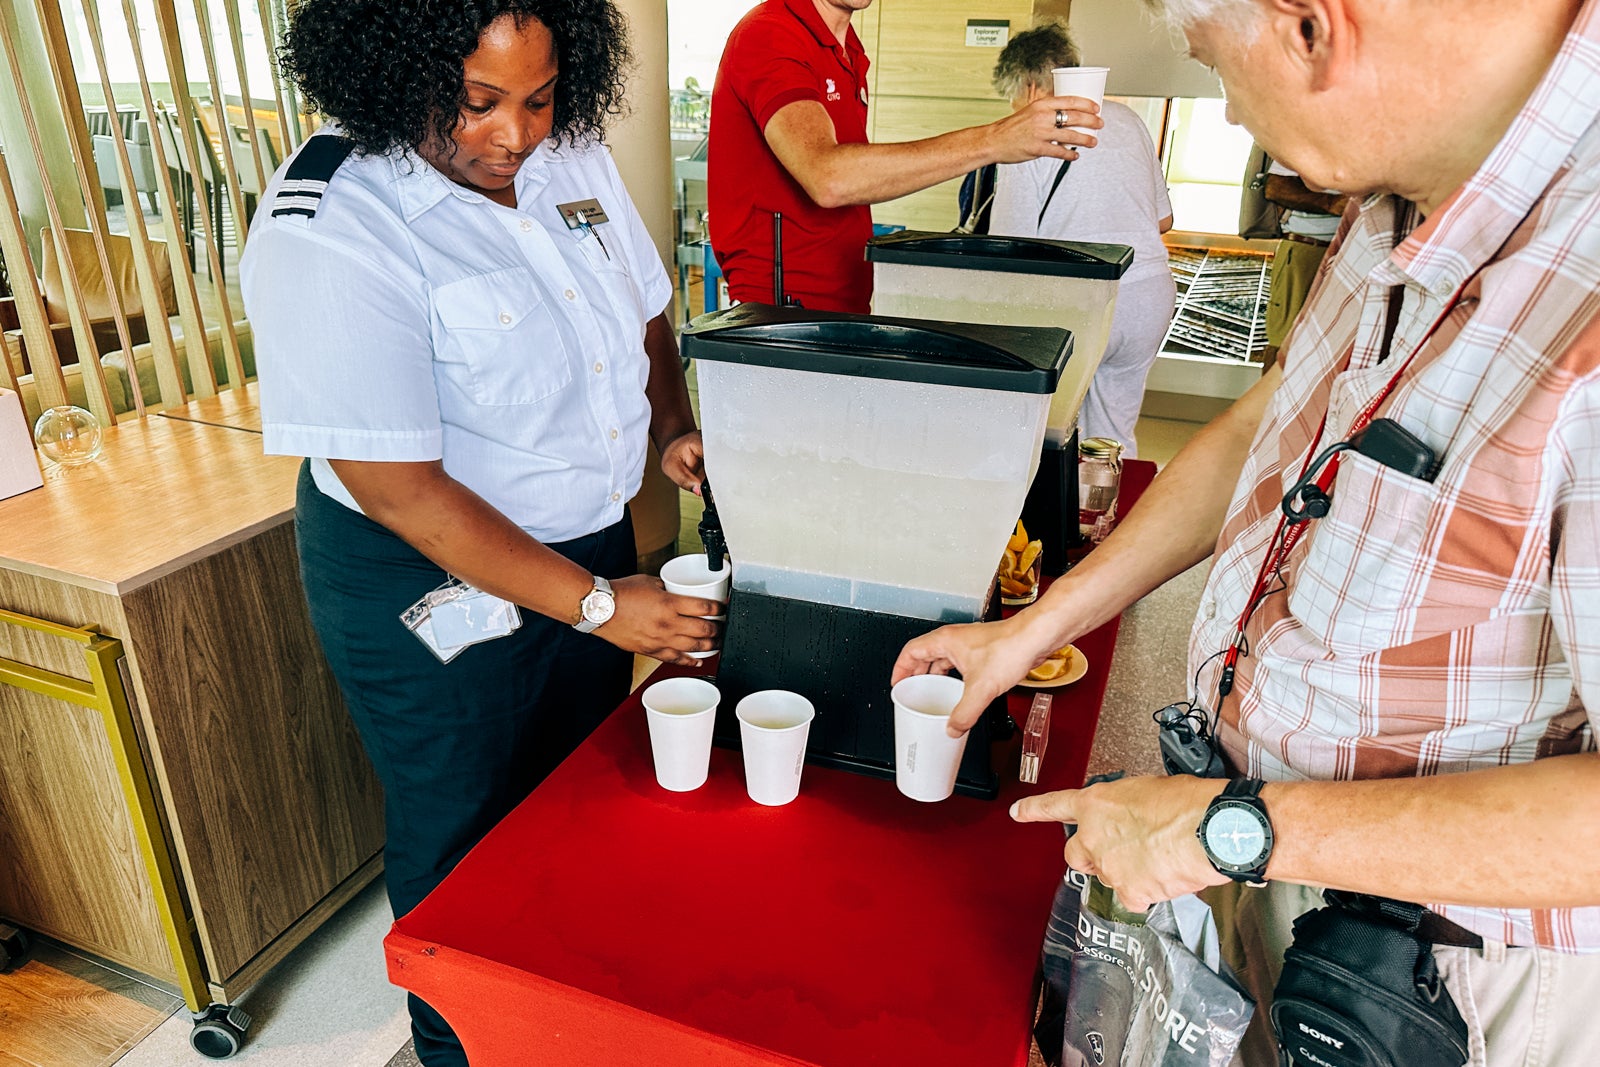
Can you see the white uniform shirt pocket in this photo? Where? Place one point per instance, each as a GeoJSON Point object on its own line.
{"type": "Point", "coordinates": [617, 288]}
{"type": "Point", "coordinates": [1362, 578]}
{"type": "Point", "coordinates": [496, 326]}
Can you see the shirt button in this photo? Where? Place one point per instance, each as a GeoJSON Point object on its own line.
{"type": "Point", "coordinates": [570, 295]}
{"type": "Point", "coordinates": [613, 435]}
{"type": "Point", "coordinates": [1211, 609]}
{"type": "Point", "coordinates": [615, 497]}
{"type": "Point", "coordinates": [527, 225]}
{"type": "Point", "coordinates": [598, 367]}
{"type": "Point", "coordinates": [505, 317]}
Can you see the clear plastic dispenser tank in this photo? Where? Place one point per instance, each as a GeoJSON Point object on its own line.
{"type": "Point", "coordinates": [1007, 281]}
{"type": "Point", "coordinates": [869, 462]}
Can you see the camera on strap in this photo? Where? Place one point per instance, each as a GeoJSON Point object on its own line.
{"type": "Point", "coordinates": [1360, 987]}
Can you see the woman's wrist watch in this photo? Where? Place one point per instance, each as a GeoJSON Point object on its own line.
{"type": "Point", "coordinates": [596, 609]}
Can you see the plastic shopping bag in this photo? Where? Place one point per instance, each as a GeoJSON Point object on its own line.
{"type": "Point", "coordinates": [1136, 990]}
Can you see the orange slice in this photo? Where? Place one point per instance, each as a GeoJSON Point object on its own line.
{"type": "Point", "coordinates": [1048, 670]}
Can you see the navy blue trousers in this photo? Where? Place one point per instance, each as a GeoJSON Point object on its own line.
{"type": "Point", "coordinates": [456, 745]}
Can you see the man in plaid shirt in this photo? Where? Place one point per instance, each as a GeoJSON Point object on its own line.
{"type": "Point", "coordinates": [1414, 682]}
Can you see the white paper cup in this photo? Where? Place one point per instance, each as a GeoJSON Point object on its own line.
{"type": "Point", "coordinates": [773, 727]}
{"type": "Point", "coordinates": [1087, 82]}
{"type": "Point", "coordinates": [682, 713]}
{"type": "Point", "coordinates": [926, 758]}
{"type": "Point", "coordinates": [691, 575]}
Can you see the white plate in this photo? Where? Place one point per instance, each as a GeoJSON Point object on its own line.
{"type": "Point", "coordinates": [1079, 668]}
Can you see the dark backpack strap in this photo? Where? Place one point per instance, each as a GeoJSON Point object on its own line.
{"type": "Point", "coordinates": [1399, 913]}
{"type": "Point", "coordinates": [300, 192]}
{"type": "Point", "coordinates": [967, 195]}
{"type": "Point", "coordinates": [977, 199]}
{"type": "Point", "coordinates": [1061, 172]}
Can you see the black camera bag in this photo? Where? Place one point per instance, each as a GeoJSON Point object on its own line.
{"type": "Point", "coordinates": [1359, 988]}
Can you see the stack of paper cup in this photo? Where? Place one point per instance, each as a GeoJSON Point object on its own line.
{"type": "Point", "coordinates": [681, 713]}
{"type": "Point", "coordinates": [773, 727]}
{"type": "Point", "coordinates": [926, 758]}
{"type": "Point", "coordinates": [692, 575]}
{"type": "Point", "coordinates": [1087, 82]}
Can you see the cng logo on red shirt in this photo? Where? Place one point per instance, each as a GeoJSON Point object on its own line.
{"type": "Point", "coordinates": [831, 89]}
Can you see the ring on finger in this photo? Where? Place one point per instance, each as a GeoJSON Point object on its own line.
{"type": "Point", "coordinates": [1061, 119]}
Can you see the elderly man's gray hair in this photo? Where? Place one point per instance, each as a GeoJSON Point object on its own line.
{"type": "Point", "coordinates": [1237, 14]}
{"type": "Point", "coordinates": [1029, 57]}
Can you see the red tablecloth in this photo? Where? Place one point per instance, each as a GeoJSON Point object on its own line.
{"type": "Point", "coordinates": [607, 921]}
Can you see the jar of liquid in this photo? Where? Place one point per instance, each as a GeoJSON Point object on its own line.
{"type": "Point", "coordinates": [1099, 477]}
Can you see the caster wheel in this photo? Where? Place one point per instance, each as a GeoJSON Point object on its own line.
{"type": "Point", "coordinates": [219, 1031]}
{"type": "Point", "coordinates": [14, 944]}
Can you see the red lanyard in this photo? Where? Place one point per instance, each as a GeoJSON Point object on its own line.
{"type": "Point", "coordinates": [1286, 536]}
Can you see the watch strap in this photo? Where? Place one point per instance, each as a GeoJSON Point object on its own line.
{"type": "Point", "coordinates": [1244, 789]}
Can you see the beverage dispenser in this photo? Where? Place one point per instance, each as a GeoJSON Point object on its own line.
{"type": "Point", "coordinates": [867, 472]}
{"type": "Point", "coordinates": [1016, 281]}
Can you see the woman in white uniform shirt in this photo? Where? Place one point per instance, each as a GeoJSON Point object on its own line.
{"type": "Point", "coordinates": [474, 382]}
{"type": "Point", "coordinates": [1114, 193]}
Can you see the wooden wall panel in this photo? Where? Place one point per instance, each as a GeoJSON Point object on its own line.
{"type": "Point", "coordinates": [272, 800]}
{"type": "Point", "coordinates": [922, 49]}
{"type": "Point", "coordinates": [908, 119]}
{"type": "Point", "coordinates": [926, 80]}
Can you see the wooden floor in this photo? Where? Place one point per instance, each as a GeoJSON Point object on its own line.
{"type": "Point", "coordinates": [61, 1010]}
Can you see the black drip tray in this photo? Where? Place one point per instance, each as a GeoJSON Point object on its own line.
{"type": "Point", "coordinates": [840, 659]}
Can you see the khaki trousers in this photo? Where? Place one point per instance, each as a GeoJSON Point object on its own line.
{"type": "Point", "coordinates": [1524, 1007]}
{"type": "Point", "coordinates": [1294, 268]}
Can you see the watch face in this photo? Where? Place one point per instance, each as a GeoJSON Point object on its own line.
{"type": "Point", "coordinates": [599, 606]}
{"type": "Point", "coordinates": [1236, 836]}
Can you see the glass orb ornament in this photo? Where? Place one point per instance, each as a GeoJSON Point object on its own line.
{"type": "Point", "coordinates": [68, 436]}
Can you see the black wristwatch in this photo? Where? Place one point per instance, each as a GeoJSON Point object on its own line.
{"type": "Point", "coordinates": [1236, 833]}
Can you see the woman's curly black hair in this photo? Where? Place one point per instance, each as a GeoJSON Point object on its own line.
{"type": "Point", "coordinates": [390, 71]}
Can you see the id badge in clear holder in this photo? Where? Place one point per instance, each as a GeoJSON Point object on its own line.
{"type": "Point", "coordinates": [456, 616]}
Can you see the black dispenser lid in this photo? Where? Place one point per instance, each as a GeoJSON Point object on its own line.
{"type": "Point", "coordinates": [1016, 359]}
{"type": "Point", "coordinates": [1015, 255]}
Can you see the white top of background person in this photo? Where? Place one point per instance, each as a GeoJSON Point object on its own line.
{"type": "Point", "coordinates": [1114, 193]}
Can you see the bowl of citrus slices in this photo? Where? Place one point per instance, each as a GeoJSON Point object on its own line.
{"type": "Point", "coordinates": [1019, 569]}
{"type": "Point", "coordinates": [1062, 667]}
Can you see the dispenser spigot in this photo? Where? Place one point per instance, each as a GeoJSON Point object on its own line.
{"type": "Point", "coordinates": [711, 530]}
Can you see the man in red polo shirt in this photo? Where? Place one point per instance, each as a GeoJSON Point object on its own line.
{"type": "Point", "coordinates": [789, 136]}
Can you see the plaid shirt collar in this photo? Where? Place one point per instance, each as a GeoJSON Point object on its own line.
{"type": "Point", "coordinates": [1476, 219]}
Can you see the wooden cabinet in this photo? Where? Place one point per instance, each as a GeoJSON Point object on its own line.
{"type": "Point", "coordinates": [179, 543]}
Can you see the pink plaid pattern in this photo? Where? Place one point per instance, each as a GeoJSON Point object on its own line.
{"type": "Point", "coordinates": [1437, 628]}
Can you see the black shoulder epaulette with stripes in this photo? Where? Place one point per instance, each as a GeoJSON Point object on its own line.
{"type": "Point", "coordinates": [308, 176]}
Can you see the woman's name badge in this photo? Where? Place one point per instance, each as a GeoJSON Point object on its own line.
{"type": "Point", "coordinates": [457, 615]}
{"type": "Point", "coordinates": [582, 213]}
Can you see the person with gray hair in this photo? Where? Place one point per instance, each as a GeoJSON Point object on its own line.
{"type": "Point", "coordinates": [1397, 652]}
{"type": "Point", "coordinates": [1114, 193]}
